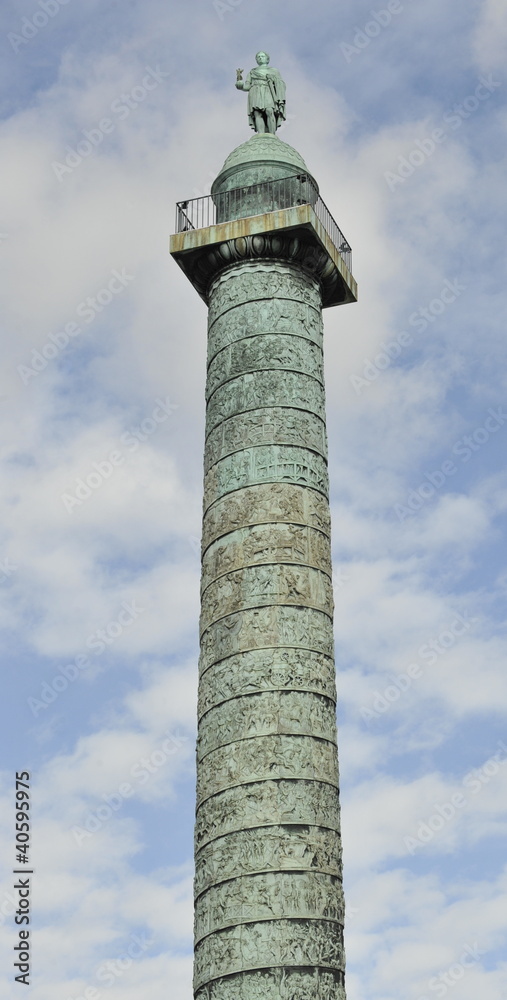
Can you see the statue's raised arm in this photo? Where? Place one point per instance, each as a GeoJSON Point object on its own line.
{"type": "Point", "coordinates": [266, 95]}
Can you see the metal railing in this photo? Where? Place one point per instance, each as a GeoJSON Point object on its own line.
{"type": "Point", "coordinates": [256, 199]}
{"type": "Point", "coordinates": [333, 231]}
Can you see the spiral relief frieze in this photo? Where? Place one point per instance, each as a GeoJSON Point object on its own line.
{"type": "Point", "coordinates": [269, 896]}
{"type": "Point", "coordinates": [277, 669]}
{"type": "Point", "coordinates": [265, 352]}
{"type": "Point", "coordinates": [263, 504]}
{"type": "Point", "coordinates": [268, 315]}
{"type": "Point", "coordinates": [262, 758]}
{"type": "Point", "coordinates": [267, 803]}
{"type": "Point", "coordinates": [277, 984]}
{"type": "Point", "coordinates": [258, 544]}
{"type": "Point", "coordinates": [268, 849]}
{"type": "Point", "coordinates": [266, 425]}
{"type": "Point", "coordinates": [260, 586]}
{"type": "Point", "coordinates": [272, 280]}
{"type": "Point", "coordinates": [269, 901]}
{"type": "Point", "coordinates": [264, 628]}
{"type": "Point", "coordinates": [266, 464]}
{"type": "Point", "coordinates": [305, 943]}
{"type": "Point", "coordinates": [263, 388]}
{"type": "Point", "coordinates": [266, 713]}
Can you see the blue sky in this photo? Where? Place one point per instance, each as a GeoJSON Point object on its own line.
{"type": "Point", "coordinates": [103, 380]}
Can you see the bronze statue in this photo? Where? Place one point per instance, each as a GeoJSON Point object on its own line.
{"type": "Point", "coordinates": [266, 95]}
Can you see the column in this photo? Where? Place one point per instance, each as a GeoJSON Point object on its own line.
{"type": "Point", "coordinates": [269, 901]}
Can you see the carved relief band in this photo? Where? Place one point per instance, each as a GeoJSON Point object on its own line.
{"type": "Point", "coordinates": [269, 425]}
{"type": "Point", "coordinates": [273, 351]}
{"type": "Point", "coordinates": [264, 388]}
{"type": "Point", "coordinates": [261, 628]}
{"type": "Point", "coordinates": [264, 315]}
{"type": "Point", "coordinates": [284, 669]}
{"type": "Point", "coordinates": [277, 984]}
{"type": "Point", "coordinates": [262, 758]}
{"type": "Point", "coordinates": [266, 464]}
{"type": "Point", "coordinates": [270, 896]}
{"type": "Point", "coordinates": [256, 586]}
{"type": "Point", "coordinates": [294, 713]}
{"type": "Point", "coordinates": [268, 503]}
{"type": "Point", "coordinates": [261, 280]}
{"type": "Point", "coordinates": [278, 848]}
{"type": "Point", "coordinates": [282, 942]}
{"type": "Point", "coordinates": [266, 543]}
{"type": "Point", "coordinates": [267, 803]}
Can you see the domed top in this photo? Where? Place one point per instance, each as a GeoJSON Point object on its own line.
{"type": "Point", "coordinates": [262, 158]}
{"type": "Point", "coordinates": [264, 146]}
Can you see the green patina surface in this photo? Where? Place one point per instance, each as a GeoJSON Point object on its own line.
{"type": "Point", "coordinates": [299, 223]}
{"type": "Point", "coordinates": [261, 158]}
{"type": "Point", "coordinates": [266, 95]}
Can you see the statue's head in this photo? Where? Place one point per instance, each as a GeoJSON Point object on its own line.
{"type": "Point", "coordinates": [262, 58]}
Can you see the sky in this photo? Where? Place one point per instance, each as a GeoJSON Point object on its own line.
{"type": "Point", "coordinates": [110, 113]}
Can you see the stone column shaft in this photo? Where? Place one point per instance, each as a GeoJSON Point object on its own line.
{"type": "Point", "coordinates": [269, 901]}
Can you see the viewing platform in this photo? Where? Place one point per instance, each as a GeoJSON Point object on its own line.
{"type": "Point", "coordinates": [290, 208]}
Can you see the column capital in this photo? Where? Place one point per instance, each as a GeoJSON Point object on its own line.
{"type": "Point", "coordinates": [295, 235]}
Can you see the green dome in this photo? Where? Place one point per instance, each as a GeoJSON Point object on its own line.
{"type": "Point", "coordinates": [264, 157]}
{"type": "Point", "coordinates": [264, 147]}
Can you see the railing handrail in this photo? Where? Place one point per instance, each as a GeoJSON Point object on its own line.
{"type": "Point", "coordinates": [202, 211]}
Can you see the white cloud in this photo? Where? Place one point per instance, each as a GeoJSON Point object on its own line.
{"type": "Point", "coordinates": [490, 42]}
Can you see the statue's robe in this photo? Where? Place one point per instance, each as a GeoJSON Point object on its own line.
{"type": "Point", "coordinates": [265, 92]}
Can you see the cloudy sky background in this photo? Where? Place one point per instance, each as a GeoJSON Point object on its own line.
{"type": "Point", "coordinates": [419, 512]}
